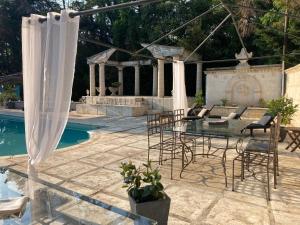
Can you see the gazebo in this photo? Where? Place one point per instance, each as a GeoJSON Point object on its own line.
{"type": "Point", "coordinates": [161, 53]}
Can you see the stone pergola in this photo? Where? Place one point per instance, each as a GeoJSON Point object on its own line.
{"type": "Point", "coordinates": [160, 52]}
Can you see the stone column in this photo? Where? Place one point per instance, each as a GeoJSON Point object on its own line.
{"type": "Point", "coordinates": [102, 79]}
{"type": "Point", "coordinates": [136, 80]}
{"type": "Point", "coordinates": [92, 80]}
{"type": "Point", "coordinates": [154, 87]}
{"type": "Point", "coordinates": [199, 77]}
{"type": "Point", "coordinates": [161, 78]}
{"type": "Point", "coordinates": [120, 79]}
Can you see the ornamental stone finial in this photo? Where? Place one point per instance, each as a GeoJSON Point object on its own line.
{"type": "Point", "coordinates": [242, 57]}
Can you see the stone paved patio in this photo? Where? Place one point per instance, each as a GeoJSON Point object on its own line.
{"type": "Point", "coordinates": [199, 197]}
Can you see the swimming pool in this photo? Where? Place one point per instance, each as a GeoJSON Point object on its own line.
{"type": "Point", "coordinates": [12, 135]}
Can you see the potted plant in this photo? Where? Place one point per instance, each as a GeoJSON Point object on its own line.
{"type": "Point", "coordinates": [286, 108]}
{"type": "Point", "coordinates": [199, 99]}
{"type": "Point", "coordinates": [145, 192]}
{"type": "Point", "coordinates": [114, 87]}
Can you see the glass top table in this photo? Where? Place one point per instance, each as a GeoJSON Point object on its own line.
{"type": "Point", "coordinates": [209, 128]}
{"type": "Point", "coordinates": [54, 204]}
{"type": "Point", "coordinates": [217, 127]}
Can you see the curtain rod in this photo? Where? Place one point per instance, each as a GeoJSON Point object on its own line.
{"type": "Point", "coordinates": [106, 8]}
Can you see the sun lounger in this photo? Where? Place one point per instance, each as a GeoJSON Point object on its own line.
{"type": "Point", "coordinates": [234, 115]}
{"type": "Point", "coordinates": [13, 206]}
{"type": "Point", "coordinates": [264, 123]}
{"type": "Point", "coordinates": [204, 112]}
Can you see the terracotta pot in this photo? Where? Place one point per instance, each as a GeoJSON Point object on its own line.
{"type": "Point", "coordinates": [156, 210]}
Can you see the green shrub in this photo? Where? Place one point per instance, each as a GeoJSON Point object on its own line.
{"type": "Point", "coordinates": [199, 99]}
{"type": "Point", "coordinates": [134, 178]}
{"type": "Point", "coordinates": [7, 96]}
{"type": "Point", "coordinates": [262, 103]}
{"type": "Point", "coordinates": [284, 106]}
{"type": "Point", "coordinates": [224, 101]}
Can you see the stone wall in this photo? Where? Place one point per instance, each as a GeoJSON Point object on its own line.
{"type": "Point", "coordinates": [243, 85]}
{"type": "Point", "coordinates": [293, 90]}
{"type": "Point", "coordinates": [152, 103]}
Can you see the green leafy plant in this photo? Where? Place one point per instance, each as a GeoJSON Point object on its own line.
{"type": "Point", "coordinates": [224, 101]}
{"type": "Point", "coordinates": [262, 103]}
{"type": "Point", "coordinates": [116, 84]}
{"type": "Point", "coordinates": [285, 107]}
{"type": "Point", "coordinates": [142, 185]}
{"type": "Point", "coordinates": [199, 99]}
{"type": "Point", "coordinates": [8, 95]}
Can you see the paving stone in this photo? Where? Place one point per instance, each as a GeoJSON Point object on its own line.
{"type": "Point", "coordinates": [235, 212]}
{"type": "Point", "coordinates": [98, 179]}
{"type": "Point", "coordinates": [101, 159]}
{"type": "Point", "coordinates": [70, 170]}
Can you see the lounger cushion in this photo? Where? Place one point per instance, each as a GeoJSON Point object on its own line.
{"type": "Point", "coordinates": [194, 111]}
{"type": "Point", "coordinates": [232, 115]}
{"type": "Point", "coordinates": [241, 110]}
{"type": "Point", "coordinates": [202, 112]}
{"type": "Point", "coordinates": [264, 120]}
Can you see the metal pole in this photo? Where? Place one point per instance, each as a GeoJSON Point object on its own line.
{"type": "Point", "coordinates": [106, 8]}
{"type": "Point", "coordinates": [211, 34]}
{"type": "Point", "coordinates": [236, 27]}
{"type": "Point", "coordinates": [284, 47]}
{"type": "Point", "coordinates": [180, 27]}
{"type": "Point", "coordinates": [122, 49]}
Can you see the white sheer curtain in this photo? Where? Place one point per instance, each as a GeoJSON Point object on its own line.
{"type": "Point", "coordinates": [49, 52]}
{"type": "Point", "coordinates": [179, 91]}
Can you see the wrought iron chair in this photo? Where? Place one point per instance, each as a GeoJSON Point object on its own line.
{"type": "Point", "coordinates": [161, 137]}
{"type": "Point", "coordinates": [261, 152]}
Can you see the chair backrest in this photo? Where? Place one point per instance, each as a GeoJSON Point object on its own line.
{"type": "Point", "coordinates": [194, 111]}
{"type": "Point", "coordinates": [239, 111]}
{"type": "Point", "coordinates": [153, 123]}
{"type": "Point", "coordinates": [266, 120]}
{"type": "Point", "coordinates": [209, 107]}
{"type": "Point", "coordinates": [178, 114]}
{"type": "Point", "coordinates": [274, 134]}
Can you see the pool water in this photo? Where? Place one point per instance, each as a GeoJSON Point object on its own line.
{"type": "Point", "coordinates": [12, 135]}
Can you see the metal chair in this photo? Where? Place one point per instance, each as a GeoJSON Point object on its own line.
{"type": "Point", "coordinates": [161, 136]}
{"type": "Point", "coordinates": [261, 152]}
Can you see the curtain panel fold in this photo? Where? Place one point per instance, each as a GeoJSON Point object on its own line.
{"type": "Point", "coordinates": [179, 89]}
{"type": "Point", "coordinates": [48, 53]}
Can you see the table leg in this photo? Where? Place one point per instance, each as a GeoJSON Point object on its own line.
{"type": "Point", "coordinates": [224, 160]}
{"type": "Point", "coordinates": [184, 148]}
